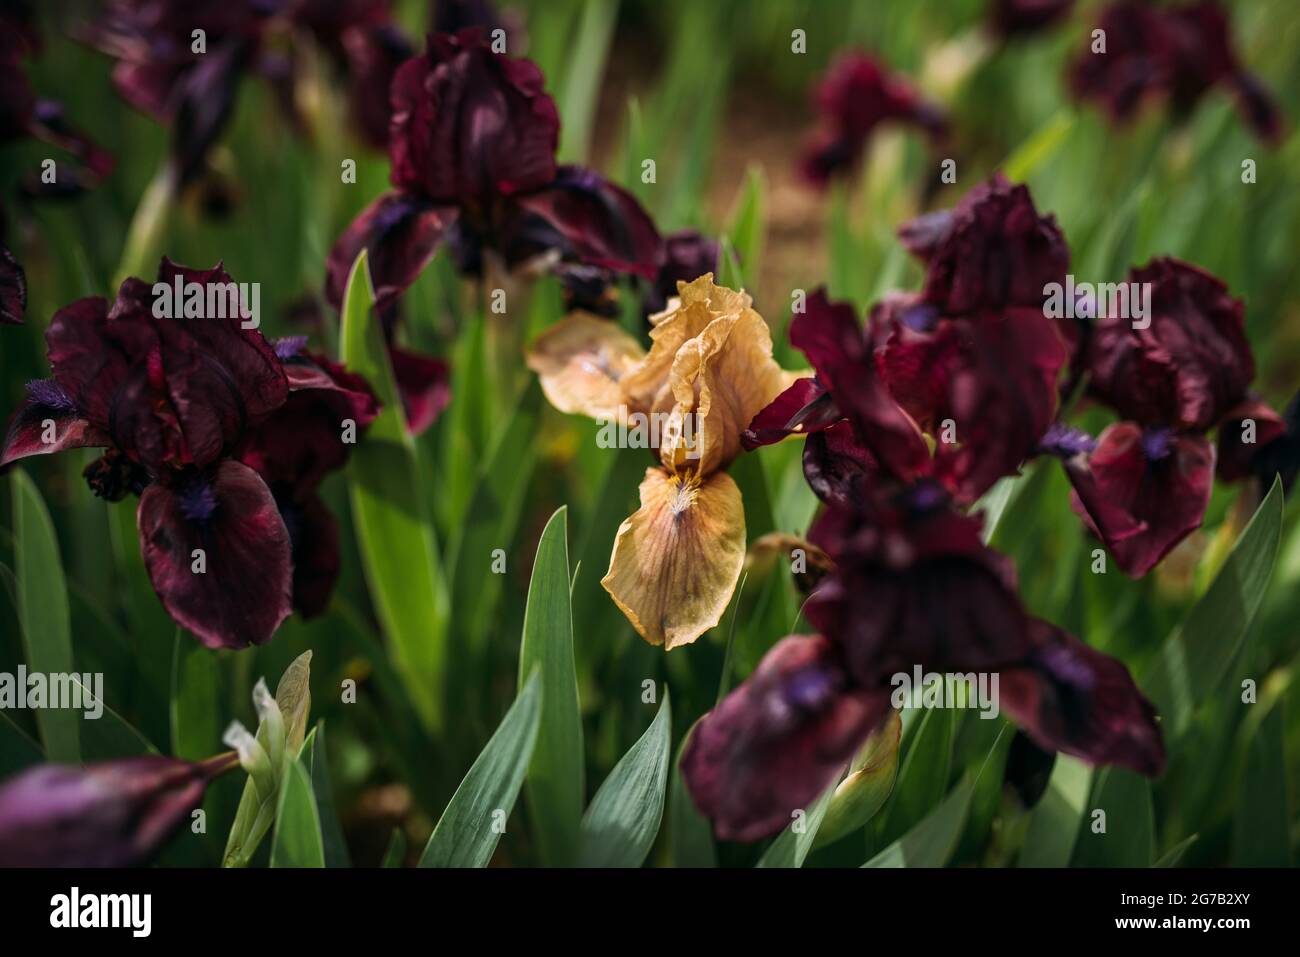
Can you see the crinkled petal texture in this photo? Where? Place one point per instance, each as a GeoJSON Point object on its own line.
{"type": "Point", "coordinates": [994, 251]}
{"type": "Point", "coordinates": [915, 589]}
{"type": "Point", "coordinates": [400, 233]}
{"type": "Point", "coordinates": [581, 362]}
{"type": "Point", "coordinates": [1189, 366]}
{"type": "Point", "coordinates": [13, 289]}
{"type": "Point", "coordinates": [1142, 493]}
{"type": "Point", "coordinates": [677, 558]}
{"type": "Point", "coordinates": [470, 125]}
{"type": "Point", "coordinates": [243, 592]}
{"type": "Point", "coordinates": [830, 335]}
{"type": "Point", "coordinates": [719, 381]}
{"type": "Point", "coordinates": [112, 814]}
{"type": "Point", "coordinates": [779, 739]}
{"type": "Point", "coordinates": [1071, 698]}
{"type": "Point", "coordinates": [169, 391]}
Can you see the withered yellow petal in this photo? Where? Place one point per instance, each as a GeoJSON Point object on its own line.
{"type": "Point", "coordinates": [581, 362]}
{"type": "Point", "coordinates": [677, 558]}
{"type": "Point", "coordinates": [720, 380]}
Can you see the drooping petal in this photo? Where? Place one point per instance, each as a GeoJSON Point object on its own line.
{"type": "Point", "coordinates": [837, 466]}
{"type": "Point", "coordinates": [314, 538]}
{"type": "Point", "coordinates": [1244, 433]}
{"type": "Point", "coordinates": [400, 232]}
{"type": "Point", "coordinates": [580, 362]}
{"type": "Point", "coordinates": [805, 408]}
{"type": "Point", "coordinates": [111, 814]}
{"type": "Point", "coordinates": [779, 739]}
{"type": "Point", "coordinates": [830, 336]}
{"type": "Point", "coordinates": [588, 218]}
{"type": "Point", "coordinates": [203, 99]}
{"type": "Point", "coordinates": [424, 386]}
{"type": "Point", "coordinates": [47, 414]}
{"type": "Point", "coordinates": [244, 590]}
{"type": "Point", "coordinates": [1142, 491]}
{"type": "Point", "coordinates": [915, 585]}
{"type": "Point", "coordinates": [677, 558]}
{"type": "Point", "coordinates": [1072, 698]}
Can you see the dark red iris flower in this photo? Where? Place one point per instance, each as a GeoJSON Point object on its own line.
{"type": "Point", "coordinates": [856, 96]}
{"type": "Point", "coordinates": [159, 73]}
{"type": "Point", "coordinates": [1172, 376]}
{"type": "Point", "coordinates": [472, 147]}
{"type": "Point", "coordinates": [24, 115]}
{"type": "Point", "coordinates": [223, 438]}
{"type": "Point", "coordinates": [111, 814]}
{"type": "Point", "coordinates": [984, 387]}
{"type": "Point", "coordinates": [1014, 18]}
{"type": "Point", "coordinates": [1176, 52]}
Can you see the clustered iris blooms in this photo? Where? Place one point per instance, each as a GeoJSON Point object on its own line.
{"type": "Point", "coordinates": [223, 435]}
{"type": "Point", "coordinates": [908, 421]}
{"type": "Point", "coordinates": [1176, 52]}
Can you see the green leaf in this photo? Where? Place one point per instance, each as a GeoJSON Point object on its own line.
{"type": "Point", "coordinates": [868, 785]}
{"type": "Point", "coordinates": [620, 826]}
{"type": "Point", "coordinates": [43, 612]}
{"type": "Point", "coordinates": [297, 840]}
{"type": "Point", "coordinates": [392, 516]}
{"type": "Point", "coordinates": [1129, 839]}
{"type": "Point", "coordinates": [396, 851]}
{"type": "Point", "coordinates": [1055, 819]}
{"type": "Point", "coordinates": [690, 838]}
{"type": "Point", "coordinates": [791, 847]}
{"type": "Point", "coordinates": [336, 848]}
{"type": "Point", "coordinates": [1197, 656]}
{"type": "Point", "coordinates": [1261, 833]}
{"type": "Point", "coordinates": [467, 833]}
{"type": "Point", "coordinates": [1038, 149]}
{"type": "Point", "coordinates": [931, 842]}
{"type": "Point", "coordinates": [195, 705]}
{"type": "Point", "coordinates": [586, 63]}
{"type": "Point", "coordinates": [555, 777]}
{"type": "Point", "coordinates": [748, 225]}
{"type": "Point", "coordinates": [1176, 852]}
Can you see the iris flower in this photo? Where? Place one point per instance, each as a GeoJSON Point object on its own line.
{"type": "Point", "coordinates": [676, 560]}
{"type": "Point", "coordinates": [222, 435]}
{"type": "Point", "coordinates": [1146, 483]}
{"type": "Point", "coordinates": [1177, 52]}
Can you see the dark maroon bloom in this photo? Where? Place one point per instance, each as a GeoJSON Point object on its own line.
{"type": "Point", "coordinates": [293, 450]}
{"type": "Point", "coordinates": [160, 73]}
{"type": "Point", "coordinates": [1176, 52]}
{"type": "Point", "coordinates": [1072, 698]}
{"type": "Point", "coordinates": [914, 584]}
{"type": "Point", "coordinates": [112, 814]}
{"type": "Point", "coordinates": [992, 250]}
{"type": "Point", "coordinates": [688, 255]}
{"type": "Point", "coordinates": [856, 96]}
{"type": "Point", "coordinates": [1021, 17]}
{"type": "Point", "coordinates": [179, 402]}
{"type": "Point", "coordinates": [13, 289]}
{"type": "Point", "coordinates": [779, 739]}
{"type": "Point", "coordinates": [424, 383]}
{"type": "Point", "coordinates": [1142, 491]}
{"type": "Point", "coordinates": [1189, 366]}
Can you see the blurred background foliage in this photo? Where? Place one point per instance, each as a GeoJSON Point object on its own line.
{"type": "Point", "coordinates": [713, 93]}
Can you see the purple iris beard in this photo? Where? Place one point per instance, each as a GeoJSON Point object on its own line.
{"type": "Point", "coordinates": [810, 690]}
{"type": "Point", "coordinates": [197, 500]}
{"type": "Point", "coordinates": [289, 346]}
{"type": "Point", "coordinates": [1066, 441]}
{"type": "Point", "coordinates": [1156, 442]}
{"type": "Point", "coordinates": [926, 495]}
{"type": "Point", "coordinates": [50, 394]}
